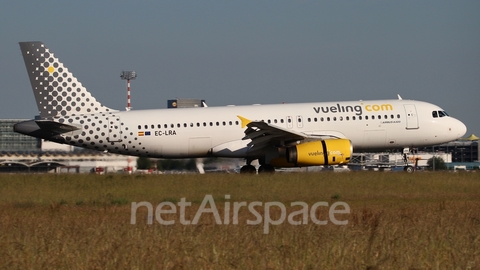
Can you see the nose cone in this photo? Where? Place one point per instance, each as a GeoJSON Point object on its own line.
{"type": "Point", "coordinates": [459, 129]}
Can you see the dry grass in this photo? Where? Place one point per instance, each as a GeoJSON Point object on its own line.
{"type": "Point", "coordinates": [397, 221]}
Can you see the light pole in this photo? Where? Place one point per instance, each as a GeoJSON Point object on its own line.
{"type": "Point", "coordinates": [128, 75]}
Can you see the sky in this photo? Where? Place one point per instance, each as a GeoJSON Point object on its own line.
{"type": "Point", "coordinates": [250, 52]}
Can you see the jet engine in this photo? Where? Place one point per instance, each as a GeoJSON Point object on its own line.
{"type": "Point", "coordinates": [315, 153]}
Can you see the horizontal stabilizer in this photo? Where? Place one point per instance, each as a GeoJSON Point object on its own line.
{"type": "Point", "coordinates": [45, 129]}
{"type": "Point", "coordinates": [55, 127]}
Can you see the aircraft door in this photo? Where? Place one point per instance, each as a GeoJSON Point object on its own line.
{"type": "Point", "coordinates": [114, 129]}
{"type": "Point", "coordinates": [289, 122]}
{"type": "Point", "coordinates": [412, 118]}
{"type": "Point", "coordinates": [299, 121]}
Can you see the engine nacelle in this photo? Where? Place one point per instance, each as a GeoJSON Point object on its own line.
{"type": "Point", "coordinates": [326, 152]}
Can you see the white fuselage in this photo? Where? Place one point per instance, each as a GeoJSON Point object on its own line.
{"type": "Point", "coordinates": [217, 131]}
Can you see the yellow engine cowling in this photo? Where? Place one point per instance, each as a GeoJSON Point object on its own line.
{"type": "Point", "coordinates": [326, 152]}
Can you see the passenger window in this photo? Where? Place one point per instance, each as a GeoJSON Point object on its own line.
{"type": "Point", "coordinates": [165, 126]}
{"type": "Point", "coordinates": [359, 117]}
{"type": "Point", "coordinates": [139, 127]}
{"type": "Point", "coordinates": [366, 117]}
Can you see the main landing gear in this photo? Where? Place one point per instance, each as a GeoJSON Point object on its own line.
{"type": "Point", "coordinates": [266, 168]}
{"type": "Point", "coordinates": [250, 169]}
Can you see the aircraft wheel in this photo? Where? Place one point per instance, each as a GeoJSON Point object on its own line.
{"type": "Point", "coordinates": [266, 168]}
{"type": "Point", "coordinates": [248, 169]}
{"type": "Point", "coordinates": [409, 169]}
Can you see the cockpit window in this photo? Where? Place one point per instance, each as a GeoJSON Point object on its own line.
{"type": "Point", "coordinates": [436, 114]}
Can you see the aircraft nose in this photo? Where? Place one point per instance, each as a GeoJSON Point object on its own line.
{"type": "Point", "coordinates": [459, 128]}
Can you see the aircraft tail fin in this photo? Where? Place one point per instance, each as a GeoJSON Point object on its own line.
{"type": "Point", "coordinates": [57, 91]}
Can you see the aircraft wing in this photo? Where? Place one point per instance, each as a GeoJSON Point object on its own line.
{"type": "Point", "coordinates": [263, 134]}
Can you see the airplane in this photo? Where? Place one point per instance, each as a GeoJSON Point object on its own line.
{"type": "Point", "coordinates": [277, 135]}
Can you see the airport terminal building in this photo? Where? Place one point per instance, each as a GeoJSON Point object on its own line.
{"type": "Point", "coordinates": [15, 142]}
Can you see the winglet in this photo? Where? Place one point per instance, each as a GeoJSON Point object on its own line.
{"type": "Point", "coordinates": [244, 120]}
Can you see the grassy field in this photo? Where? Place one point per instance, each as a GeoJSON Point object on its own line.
{"type": "Point", "coordinates": [396, 221]}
